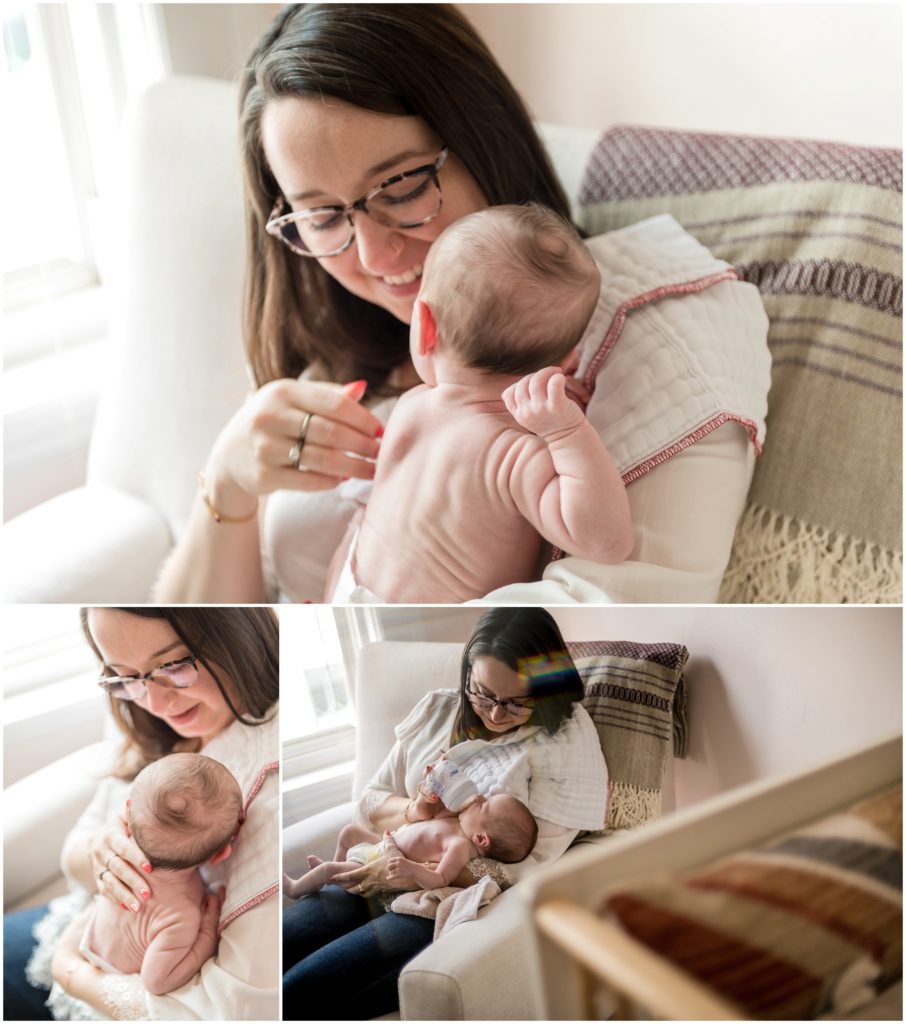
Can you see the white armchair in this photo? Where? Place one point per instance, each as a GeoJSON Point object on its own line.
{"type": "Point", "coordinates": [174, 369]}
{"type": "Point", "coordinates": [174, 363]}
{"type": "Point", "coordinates": [38, 812]}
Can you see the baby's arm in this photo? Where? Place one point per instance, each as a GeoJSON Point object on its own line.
{"type": "Point", "coordinates": [456, 855]}
{"type": "Point", "coordinates": [176, 953]}
{"type": "Point", "coordinates": [576, 498]}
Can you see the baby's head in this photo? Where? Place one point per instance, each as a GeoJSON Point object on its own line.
{"type": "Point", "coordinates": [501, 827]}
{"type": "Point", "coordinates": [184, 809]}
{"type": "Point", "coordinates": [509, 290]}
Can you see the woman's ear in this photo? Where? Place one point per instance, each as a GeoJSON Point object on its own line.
{"type": "Point", "coordinates": [427, 328]}
{"type": "Point", "coordinates": [221, 854]}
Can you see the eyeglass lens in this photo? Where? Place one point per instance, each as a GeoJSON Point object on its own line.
{"type": "Point", "coordinates": [178, 675]}
{"type": "Point", "coordinates": [405, 203]}
{"type": "Point", "coordinates": [479, 700]}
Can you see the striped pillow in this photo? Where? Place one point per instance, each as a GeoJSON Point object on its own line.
{"type": "Point", "coordinates": [635, 695]}
{"type": "Point", "coordinates": [817, 227]}
{"type": "Point", "coordinates": [809, 924]}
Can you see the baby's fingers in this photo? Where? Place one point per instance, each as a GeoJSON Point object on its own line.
{"type": "Point", "coordinates": [539, 382]}
{"type": "Point", "coordinates": [556, 388]}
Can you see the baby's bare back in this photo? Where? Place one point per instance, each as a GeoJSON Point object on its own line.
{"type": "Point", "coordinates": [441, 525]}
{"type": "Point", "coordinates": [121, 938]}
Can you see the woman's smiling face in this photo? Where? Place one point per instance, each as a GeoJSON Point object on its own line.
{"type": "Point", "coordinates": [324, 152]}
{"type": "Point", "coordinates": [489, 677]}
{"type": "Point", "coordinates": [133, 646]}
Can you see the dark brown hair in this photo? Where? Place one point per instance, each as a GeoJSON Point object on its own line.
{"type": "Point", "coordinates": [240, 643]}
{"type": "Point", "coordinates": [421, 60]}
{"type": "Point", "coordinates": [527, 640]}
{"type": "Point", "coordinates": [532, 309]}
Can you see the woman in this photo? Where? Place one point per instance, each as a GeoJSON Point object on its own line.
{"type": "Point", "coordinates": [519, 690]}
{"type": "Point", "coordinates": [367, 129]}
{"type": "Point", "coordinates": [177, 679]}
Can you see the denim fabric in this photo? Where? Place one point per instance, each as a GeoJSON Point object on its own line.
{"type": "Point", "coordinates": [342, 956]}
{"type": "Point", "coordinates": [21, 1000]}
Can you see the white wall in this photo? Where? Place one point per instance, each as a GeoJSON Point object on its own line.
{"type": "Point", "coordinates": [212, 39]}
{"type": "Point", "coordinates": [823, 71]}
{"type": "Point", "coordinates": [770, 689]}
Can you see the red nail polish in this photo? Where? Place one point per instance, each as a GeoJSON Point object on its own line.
{"type": "Point", "coordinates": [123, 905]}
{"type": "Point", "coordinates": [135, 907]}
{"type": "Point", "coordinates": [146, 867]}
{"type": "Point", "coordinates": [355, 389]}
{"type": "Point", "coordinates": [145, 894]}
{"type": "Point", "coordinates": [379, 432]}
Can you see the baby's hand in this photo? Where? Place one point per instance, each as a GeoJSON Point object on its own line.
{"type": "Point", "coordinates": [398, 867]}
{"type": "Point", "coordinates": [539, 403]}
{"type": "Point", "coordinates": [206, 942]}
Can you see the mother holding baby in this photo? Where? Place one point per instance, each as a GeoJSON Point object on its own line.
{"type": "Point", "coordinates": [367, 129]}
{"type": "Point", "coordinates": [177, 680]}
{"type": "Point", "coordinates": [518, 699]}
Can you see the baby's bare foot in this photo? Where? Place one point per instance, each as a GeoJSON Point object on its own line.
{"type": "Point", "coordinates": [313, 861]}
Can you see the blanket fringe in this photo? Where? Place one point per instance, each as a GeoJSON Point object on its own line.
{"type": "Point", "coordinates": [778, 559]}
{"type": "Point", "coordinates": [631, 805]}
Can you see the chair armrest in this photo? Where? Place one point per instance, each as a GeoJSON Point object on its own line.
{"type": "Point", "coordinates": [476, 971]}
{"type": "Point", "coordinates": [317, 835]}
{"type": "Point", "coordinates": [38, 812]}
{"type": "Point", "coordinates": [94, 544]}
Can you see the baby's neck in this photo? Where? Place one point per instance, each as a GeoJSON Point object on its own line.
{"type": "Point", "coordinates": [473, 384]}
{"type": "Point", "coordinates": [168, 880]}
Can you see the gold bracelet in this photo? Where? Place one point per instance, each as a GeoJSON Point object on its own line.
{"type": "Point", "coordinates": [219, 517]}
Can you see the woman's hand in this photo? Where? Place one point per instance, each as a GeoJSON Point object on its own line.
{"type": "Point", "coordinates": [120, 868]}
{"type": "Point", "coordinates": [251, 457]}
{"type": "Point", "coordinates": [371, 878]}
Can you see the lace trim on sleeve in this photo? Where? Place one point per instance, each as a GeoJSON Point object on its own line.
{"type": "Point", "coordinates": [369, 802]}
{"type": "Point", "coordinates": [125, 995]}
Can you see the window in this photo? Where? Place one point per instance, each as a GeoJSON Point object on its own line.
{"type": "Point", "coordinates": [318, 650]}
{"type": "Point", "coordinates": [51, 705]}
{"type": "Point", "coordinates": [48, 176]}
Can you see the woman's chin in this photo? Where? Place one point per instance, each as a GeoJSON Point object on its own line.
{"type": "Point", "coordinates": [187, 723]}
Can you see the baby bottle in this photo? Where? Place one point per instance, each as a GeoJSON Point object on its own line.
{"type": "Point", "coordinates": [448, 781]}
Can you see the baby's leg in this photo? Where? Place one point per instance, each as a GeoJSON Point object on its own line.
{"type": "Point", "coordinates": [317, 878]}
{"type": "Point", "coordinates": [349, 836]}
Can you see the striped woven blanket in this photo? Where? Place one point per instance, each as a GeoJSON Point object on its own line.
{"type": "Point", "coordinates": [817, 227]}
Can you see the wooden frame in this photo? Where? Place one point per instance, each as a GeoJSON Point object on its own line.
{"type": "Point", "coordinates": [576, 951]}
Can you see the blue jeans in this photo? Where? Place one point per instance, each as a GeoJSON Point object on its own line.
{"type": "Point", "coordinates": [21, 1000]}
{"type": "Point", "coordinates": [342, 956]}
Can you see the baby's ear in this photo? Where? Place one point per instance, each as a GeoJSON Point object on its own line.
{"type": "Point", "coordinates": [482, 840]}
{"type": "Point", "coordinates": [427, 328]}
{"type": "Point", "coordinates": [221, 854]}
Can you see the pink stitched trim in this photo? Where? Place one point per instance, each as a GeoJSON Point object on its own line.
{"type": "Point", "coordinates": [271, 766]}
{"type": "Point", "coordinates": [619, 318]}
{"type": "Point", "coordinates": [696, 435]}
{"type": "Point", "coordinates": [253, 902]}
{"type": "Point", "coordinates": [662, 456]}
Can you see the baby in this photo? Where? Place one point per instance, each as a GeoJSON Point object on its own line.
{"type": "Point", "coordinates": [183, 812]}
{"type": "Point", "coordinates": [500, 827]}
{"type": "Point", "coordinates": [483, 461]}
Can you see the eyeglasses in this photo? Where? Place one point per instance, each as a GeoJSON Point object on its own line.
{"type": "Point", "coordinates": [406, 200]}
{"type": "Point", "coordinates": [175, 675]}
{"type": "Point", "coordinates": [510, 707]}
